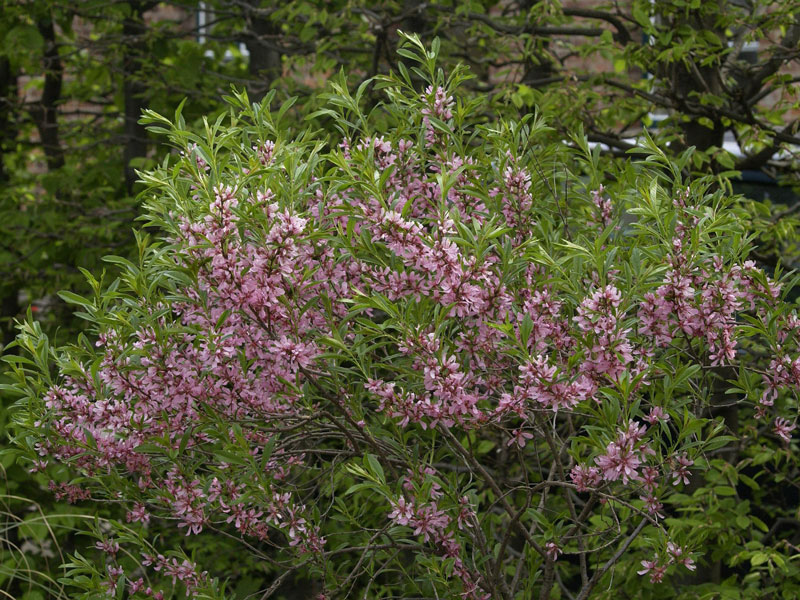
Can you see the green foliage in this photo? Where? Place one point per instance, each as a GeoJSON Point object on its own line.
{"type": "Point", "coordinates": [676, 70]}
{"type": "Point", "coordinates": [558, 233]}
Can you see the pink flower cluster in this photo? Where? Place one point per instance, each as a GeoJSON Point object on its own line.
{"type": "Point", "coordinates": [675, 555]}
{"type": "Point", "coordinates": [72, 493]}
{"type": "Point", "coordinates": [624, 456]}
{"type": "Point", "coordinates": [700, 297]}
{"type": "Point", "coordinates": [432, 523]}
{"type": "Point", "coordinates": [603, 206]}
{"type": "Point", "coordinates": [439, 105]}
{"type": "Point", "coordinates": [184, 571]}
{"type": "Point", "coordinates": [611, 351]}
{"type": "Point", "coordinates": [247, 366]}
{"type": "Point", "coordinates": [515, 199]}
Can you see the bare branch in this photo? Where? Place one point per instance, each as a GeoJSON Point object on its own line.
{"type": "Point", "coordinates": [586, 590]}
{"type": "Point", "coordinates": [622, 35]}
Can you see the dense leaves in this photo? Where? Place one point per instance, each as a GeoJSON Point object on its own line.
{"type": "Point", "coordinates": [74, 78]}
{"type": "Point", "coordinates": [431, 355]}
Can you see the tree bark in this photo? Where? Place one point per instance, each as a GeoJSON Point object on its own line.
{"type": "Point", "coordinates": [9, 304]}
{"type": "Point", "coordinates": [133, 90]}
{"type": "Point", "coordinates": [8, 87]}
{"type": "Point", "coordinates": [45, 112]}
{"type": "Point", "coordinates": [265, 57]}
{"type": "Point", "coordinates": [9, 309]}
{"type": "Point", "coordinates": [414, 21]}
{"type": "Point", "coordinates": [687, 80]}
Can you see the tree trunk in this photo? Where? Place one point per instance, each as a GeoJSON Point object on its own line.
{"type": "Point", "coordinates": [688, 79]}
{"type": "Point", "coordinates": [9, 310]}
{"type": "Point", "coordinates": [415, 21]}
{"type": "Point", "coordinates": [9, 305]}
{"type": "Point", "coordinates": [45, 112]}
{"type": "Point", "coordinates": [8, 84]}
{"type": "Point", "coordinates": [133, 90]}
{"type": "Point", "coordinates": [265, 56]}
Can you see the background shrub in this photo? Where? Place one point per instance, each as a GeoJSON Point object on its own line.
{"type": "Point", "coordinates": [434, 355]}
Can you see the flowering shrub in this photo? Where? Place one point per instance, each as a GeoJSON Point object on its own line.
{"type": "Point", "coordinates": [437, 357]}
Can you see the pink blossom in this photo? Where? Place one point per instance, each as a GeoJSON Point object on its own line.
{"type": "Point", "coordinates": [429, 521]}
{"type": "Point", "coordinates": [519, 438]}
{"type": "Point", "coordinates": [619, 461]}
{"type": "Point", "coordinates": [648, 566]}
{"type": "Point", "coordinates": [657, 414]}
{"type": "Point", "coordinates": [677, 554]}
{"type": "Point", "coordinates": [784, 429]}
{"type": "Point", "coordinates": [680, 469]}
{"type": "Point", "coordinates": [110, 547]}
{"type": "Point", "coordinates": [653, 506]}
{"type": "Point", "coordinates": [656, 572]}
{"type": "Point", "coordinates": [138, 513]}
{"type": "Point", "coordinates": [649, 477]}
{"type": "Point", "coordinates": [585, 477]}
{"type": "Point", "coordinates": [552, 551]}
{"type": "Point", "coordinates": [402, 512]}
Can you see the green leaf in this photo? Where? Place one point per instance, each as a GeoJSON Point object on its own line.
{"type": "Point", "coordinates": [759, 523]}
{"type": "Point", "coordinates": [706, 122]}
{"type": "Point", "coordinates": [751, 483]}
{"type": "Point", "coordinates": [376, 468]}
{"type": "Point", "coordinates": [72, 298]}
{"type": "Point", "coordinates": [364, 485]}
{"type": "Point", "coordinates": [742, 522]}
{"type": "Point", "coordinates": [23, 39]}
